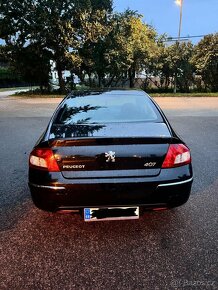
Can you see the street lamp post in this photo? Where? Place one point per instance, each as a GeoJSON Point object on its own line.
{"type": "Point", "coordinates": [179, 3]}
{"type": "Point", "coordinates": [180, 19]}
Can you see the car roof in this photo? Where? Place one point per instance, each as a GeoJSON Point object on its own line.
{"type": "Point", "coordinates": [107, 92]}
{"type": "Point", "coordinates": [125, 92]}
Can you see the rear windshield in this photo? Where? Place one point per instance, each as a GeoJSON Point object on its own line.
{"type": "Point", "coordinates": [107, 108]}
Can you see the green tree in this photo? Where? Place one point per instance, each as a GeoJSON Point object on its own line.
{"type": "Point", "coordinates": [52, 25]}
{"type": "Point", "coordinates": [106, 5]}
{"type": "Point", "coordinates": [4, 55]}
{"type": "Point", "coordinates": [130, 45]}
{"type": "Point", "coordinates": [95, 27]}
{"type": "Point", "coordinates": [178, 58]}
{"type": "Point", "coordinates": [33, 64]}
{"type": "Point", "coordinates": [171, 60]}
{"type": "Point", "coordinates": [44, 23]}
{"type": "Point", "coordinates": [205, 59]}
{"type": "Point", "coordinates": [8, 75]}
{"type": "Point", "coordinates": [159, 66]}
{"type": "Point", "coordinates": [93, 23]}
{"type": "Point", "coordinates": [115, 46]}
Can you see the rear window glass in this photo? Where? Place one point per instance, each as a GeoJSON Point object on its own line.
{"type": "Point", "coordinates": [107, 108]}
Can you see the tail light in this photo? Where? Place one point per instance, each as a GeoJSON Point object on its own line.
{"type": "Point", "coordinates": [43, 158]}
{"type": "Point", "coordinates": [177, 155]}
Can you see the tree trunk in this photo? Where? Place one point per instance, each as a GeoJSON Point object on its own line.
{"type": "Point", "coordinates": [90, 80]}
{"type": "Point", "coordinates": [72, 83]}
{"type": "Point", "coordinates": [60, 79]}
{"type": "Point", "coordinates": [167, 82]}
{"type": "Point", "coordinates": [99, 80]}
{"type": "Point", "coordinates": [175, 83]}
{"type": "Point", "coordinates": [117, 81]}
{"type": "Point", "coordinates": [131, 75]}
{"type": "Point", "coordinates": [110, 81]}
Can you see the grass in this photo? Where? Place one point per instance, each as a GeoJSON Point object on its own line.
{"type": "Point", "coordinates": [56, 94]}
{"type": "Point", "coordinates": [190, 95]}
{"type": "Point", "coordinates": [11, 89]}
{"type": "Point", "coordinates": [34, 96]}
{"type": "Point", "coordinates": [14, 88]}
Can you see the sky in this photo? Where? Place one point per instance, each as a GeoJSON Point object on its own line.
{"type": "Point", "coordinates": [199, 16]}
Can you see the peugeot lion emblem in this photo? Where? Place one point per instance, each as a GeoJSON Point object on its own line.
{"type": "Point", "coordinates": [110, 155]}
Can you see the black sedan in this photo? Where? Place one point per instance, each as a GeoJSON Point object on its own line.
{"type": "Point", "coordinates": [109, 155]}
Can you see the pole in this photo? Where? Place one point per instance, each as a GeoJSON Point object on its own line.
{"type": "Point", "coordinates": [180, 27]}
{"type": "Point", "coordinates": [180, 20]}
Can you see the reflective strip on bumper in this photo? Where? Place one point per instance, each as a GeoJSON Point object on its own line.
{"type": "Point", "coordinates": [175, 183]}
{"type": "Point", "coordinates": [62, 187]}
{"type": "Point", "coordinates": [47, 187]}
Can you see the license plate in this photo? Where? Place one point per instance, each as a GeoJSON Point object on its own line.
{"type": "Point", "coordinates": [111, 213]}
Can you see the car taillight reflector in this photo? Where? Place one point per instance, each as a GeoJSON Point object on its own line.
{"type": "Point", "coordinates": [44, 159]}
{"type": "Point", "coordinates": [177, 155]}
{"type": "Point", "coordinates": [159, 208]}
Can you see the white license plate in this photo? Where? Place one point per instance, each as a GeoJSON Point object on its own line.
{"type": "Point", "coordinates": [111, 213]}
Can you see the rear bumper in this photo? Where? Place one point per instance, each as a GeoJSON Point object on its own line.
{"type": "Point", "coordinates": [146, 192]}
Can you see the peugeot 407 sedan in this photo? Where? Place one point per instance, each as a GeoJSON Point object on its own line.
{"type": "Point", "coordinates": [109, 155]}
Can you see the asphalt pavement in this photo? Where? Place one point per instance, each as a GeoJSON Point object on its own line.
{"type": "Point", "coordinates": [174, 249]}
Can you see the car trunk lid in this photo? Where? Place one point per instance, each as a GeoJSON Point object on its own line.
{"type": "Point", "coordinates": [115, 150]}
